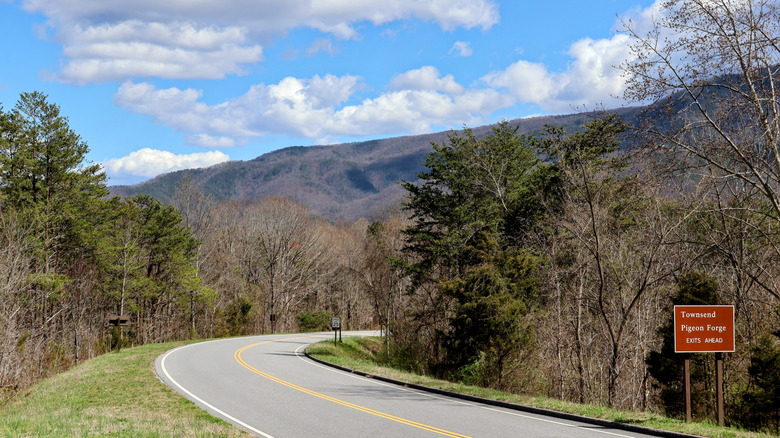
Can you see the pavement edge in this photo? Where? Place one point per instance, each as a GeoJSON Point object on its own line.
{"type": "Point", "coordinates": [513, 406]}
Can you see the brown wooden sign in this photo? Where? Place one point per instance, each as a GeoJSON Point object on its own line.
{"type": "Point", "coordinates": [118, 320]}
{"type": "Point", "coordinates": [703, 329]}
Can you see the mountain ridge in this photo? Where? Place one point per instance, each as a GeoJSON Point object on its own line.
{"type": "Point", "coordinates": [339, 182]}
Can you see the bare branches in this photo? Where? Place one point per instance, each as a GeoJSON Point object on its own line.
{"type": "Point", "coordinates": [712, 68]}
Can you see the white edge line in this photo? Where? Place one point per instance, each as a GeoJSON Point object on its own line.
{"type": "Point", "coordinates": [203, 402]}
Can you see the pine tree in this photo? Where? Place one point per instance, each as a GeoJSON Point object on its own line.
{"type": "Point", "coordinates": [44, 175]}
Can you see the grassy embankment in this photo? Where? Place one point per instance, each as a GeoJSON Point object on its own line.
{"type": "Point", "coordinates": [364, 354]}
{"type": "Point", "coordinates": [117, 395]}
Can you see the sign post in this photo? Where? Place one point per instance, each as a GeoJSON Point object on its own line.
{"type": "Point", "coordinates": [335, 324]}
{"type": "Point", "coordinates": [704, 329]}
{"type": "Point", "coordinates": [118, 322]}
{"type": "Point", "coordinates": [687, 389]}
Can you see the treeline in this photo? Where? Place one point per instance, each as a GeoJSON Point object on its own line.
{"type": "Point", "coordinates": [70, 258]}
{"type": "Point", "coordinates": [550, 264]}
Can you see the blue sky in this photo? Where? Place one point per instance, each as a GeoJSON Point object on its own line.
{"type": "Point", "coordinates": [154, 86]}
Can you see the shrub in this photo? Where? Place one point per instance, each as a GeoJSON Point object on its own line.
{"type": "Point", "coordinates": [761, 402]}
{"type": "Point", "coordinates": [314, 321]}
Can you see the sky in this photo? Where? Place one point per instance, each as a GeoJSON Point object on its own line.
{"type": "Point", "coordinates": [156, 86]}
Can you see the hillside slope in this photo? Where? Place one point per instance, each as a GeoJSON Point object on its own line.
{"type": "Point", "coordinates": [342, 182]}
{"type": "Point", "coordinates": [115, 394]}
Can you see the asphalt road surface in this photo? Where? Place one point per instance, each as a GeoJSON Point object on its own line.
{"type": "Point", "coordinates": [266, 385]}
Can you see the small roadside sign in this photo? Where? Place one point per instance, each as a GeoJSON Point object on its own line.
{"type": "Point", "coordinates": [703, 329]}
{"type": "Point", "coordinates": [335, 323]}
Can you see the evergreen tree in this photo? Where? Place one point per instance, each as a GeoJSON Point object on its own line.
{"type": "Point", "coordinates": [473, 186]}
{"type": "Point", "coordinates": [44, 175]}
{"type": "Point", "coordinates": [491, 300]}
{"type": "Point", "coordinates": [470, 210]}
{"type": "Point", "coordinates": [47, 182]}
{"type": "Point", "coordinates": [166, 253]}
{"type": "Point", "coordinates": [761, 402]}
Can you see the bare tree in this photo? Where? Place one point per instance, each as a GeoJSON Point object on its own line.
{"type": "Point", "coordinates": [383, 285]}
{"type": "Point", "coordinates": [609, 255]}
{"type": "Point", "coordinates": [14, 271]}
{"type": "Point", "coordinates": [231, 270]}
{"type": "Point", "coordinates": [715, 65]}
{"type": "Point", "coordinates": [285, 248]}
{"type": "Point", "coordinates": [196, 209]}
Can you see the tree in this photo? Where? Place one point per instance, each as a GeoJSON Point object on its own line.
{"type": "Point", "coordinates": [196, 209]}
{"type": "Point", "coordinates": [45, 176]}
{"type": "Point", "coordinates": [167, 252]}
{"type": "Point", "coordinates": [283, 254]}
{"type": "Point", "coordinates": [761, 402]}
{"type": "Point", "coordinates": [379, 275]}
{"type": "Point", "coordinates": [715, 66]}
{"type": "Point", "coordinates": [492, 300]}
{"type": "Point", "coordinates": [585, 204]}
{"type": "Point", "coordinates": [15, 268]}
{"type": "Point", "coordinates": [47, 184]}
{"type": "Point", "coordinates": [120, 262]}
{"type": "Point", "coordinates": [476, 190]}
{"type": "Point", "coordinates": [607, 248]}
{"type": "Point", "coordinates": [473, 186]}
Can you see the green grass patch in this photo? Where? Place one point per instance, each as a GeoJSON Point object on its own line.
{"type": "Point", "coordinates": [366, 355]}
{"type": "Point", "coordinates": [116, 394]}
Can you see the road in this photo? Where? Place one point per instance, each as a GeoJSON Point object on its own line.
{"type": "Point", "coordinates": [266, 385]}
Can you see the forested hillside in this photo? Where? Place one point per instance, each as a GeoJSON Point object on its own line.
{"type": "Point", "coordinates": [341, 182]}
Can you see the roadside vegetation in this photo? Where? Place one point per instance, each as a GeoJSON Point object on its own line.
{"type": "Point", "coordinates": [117, 395]}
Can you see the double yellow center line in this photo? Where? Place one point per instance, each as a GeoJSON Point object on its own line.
{"type": "Point", "coordinates": [246, 365]}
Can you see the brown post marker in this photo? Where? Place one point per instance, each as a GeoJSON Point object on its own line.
{"type": "Point", "coordinates": [719, 384]}
{"type": "Point", "coordinates": [687, 385]}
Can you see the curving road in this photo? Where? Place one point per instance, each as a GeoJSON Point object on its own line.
{"type": "Point", "coordinates": [265, 385]}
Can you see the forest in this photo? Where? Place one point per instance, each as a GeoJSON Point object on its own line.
{"type": "Point", "coordinates": [545, 263]}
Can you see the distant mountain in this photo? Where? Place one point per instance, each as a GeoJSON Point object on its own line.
{"type": "Point", "coordinates": [342, 182]}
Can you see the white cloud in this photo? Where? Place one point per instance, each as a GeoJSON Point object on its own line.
{"type": "Point", "coordinates": [596, 70]}
{"type": "Point", "coordinates": [124, 40]}
{"type": "Point", "coordinates": [416, 111]}
{"type": "Point", "coordinates": [181, 39]}
{"type": "Point", "coordinates": [329, 90]}
{"type": "Point", "coordinates": [166, 50]}
{"type": "Point", "coordinates": [426, 78]}
{"type": "Point", "coordinates": [528, 81]}
{"type": "Point", "coordinates": [208, 141]}
{"type": "Point", "coordinates": [318, 108]}
{"type": "Point", "coordinates": [271, 16]}
{"type": "Point", "coordinates": [642, 20]}
{"type": "Point", "coordinates": [151, 162]}
{"type": "Point", "coordinates": [592, 77]}
{"type": "Point", "coordinates": [461, 48]}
